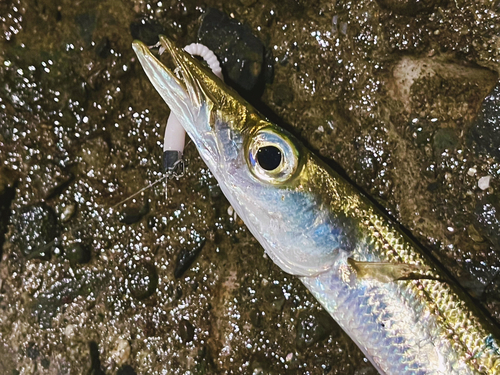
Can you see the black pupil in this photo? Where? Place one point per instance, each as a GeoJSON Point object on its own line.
{"type": "Point", "coordinates": [269, 157]}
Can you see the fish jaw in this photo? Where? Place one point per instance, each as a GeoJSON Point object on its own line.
{"type": "Point", "coordinates": [176, 94]}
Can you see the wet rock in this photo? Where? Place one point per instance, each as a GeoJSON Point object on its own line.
{"type": "Point", "coordinates": [35, 229]}
{"type": "Point", "coordinates": [126, 370]}
{"type": "Point", "coordinates": [143, 280]}
{"type": "Point", "coordinates": [7, 195]}
{"type": "Point", "coordinates": [248, 3]}
{"type": "Point", "coordinates": [276, 298]}
{"type": "Point", "coordinates": [409, 7]}
{"type": "Point", "coordinates": [78, 253]}
{"type": "Point", "coordinates": [260, 366]}
{"type": "Point", "coordinates": [94, 156]}
{"type": "Point", "coordinates": [282, 95]}
{"type": "Point", "coordinates": [268, 67]}
{"type": "Point", "coordinates": [214, 192]}
{"type": "Point", "coordinates": [257, 317]}
{"type": "Point", "coordinates": [474, 235]}
{"type": "Point", "coordinates": [153, 222]}
{"type": "Point", "coordinates": [86, 23]}
{"type": "Point", "coordinates": [186, 331]}
{"type": "Point", "coordinates": [8, 362]}
{"type": "Point", "coordinates": [186, 258]}
{"type": "Point", "coordinates": [134, 212]}
{"type": "Point", "coordinates": [313, 328]}
{"type": "Point", "coordinates": [50, 180]}
{"type": "Point", "coordinates": [366, 370]}
{"type": "Point", "coordinates": [241, 53]}
{"type": "Point", "coordinates": [441, 90]}
{"type": "Point", "coordinates": [66, 211]}
{"type": "Point", "coordinates": [488, 217]}
{"type": "Point", "coordinates": [103, 48]}
{"type": "Point", "coordinates": [485, 132]}
{"type": "Point", "coordinates": [420, 131]}
{"type": "Point", "coordinates": [146, 31]}
{"type": "Point", "coordinates": [445, 139]}
{"type": "Point", "coordinates": [204, 362]}
{"type": "Point", "coordinates": [51, 302]}
{"type": "Point", "coordinates": [45, 362]}
{"type": "Point", "coordinates": [32, 351]}
{"type": "Point", "coordinates": [121, 352]}
{"type": "Point", "coordinates": [433, 186]}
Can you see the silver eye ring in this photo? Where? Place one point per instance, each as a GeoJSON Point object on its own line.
{"type": "Point", "coordinates": [272, 156]}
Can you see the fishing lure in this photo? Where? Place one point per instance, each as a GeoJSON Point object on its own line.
{"type": "Point", "coordinates": [390, 297]}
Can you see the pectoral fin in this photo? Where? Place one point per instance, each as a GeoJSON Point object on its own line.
{"type": "Point", "coordinates": [386, 272]}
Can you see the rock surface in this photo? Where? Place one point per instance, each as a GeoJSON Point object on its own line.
{"type": "Point", "coordinates": [399, 96]}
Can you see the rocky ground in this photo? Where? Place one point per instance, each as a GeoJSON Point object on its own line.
{"type": "Point", "coordinates": [402, 95]}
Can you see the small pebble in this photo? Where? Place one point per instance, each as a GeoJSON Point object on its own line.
{"type": "Point", "coordinates": [121, 352]}
{"type": "Point", "coordinates": [69, 331]}
{"type": "Point", "coordinates": [232, 213]}
{"type": "Point", "coordinates": [484, 182]}
{"type": "Point", "coordinates": [186, 331]}
{"type": "Point", "coordinates": [471, 172]}
{"type": "Point", "coordinates": [134, 211]}
{"type": "Point", "coordinates": [67, 212]}
{"type": "Point", "coordinates": [186, 257]}
{"type": "Point", "coordinates": [143, 279]}
{"type": "Point", "coordinates": [78, 253]}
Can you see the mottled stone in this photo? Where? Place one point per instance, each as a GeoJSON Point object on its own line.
{"type": "Point", "coordinates": [484, 135]}
{"type": "Point", "coordinates": [146, 30]}
{"type": "Point", "coordinates": [186, 257]}
{"type": "Point", "coordinates": [409, 7]}
{"type": "Point", "coordinates": [445, 139]}
{"type": "Point", "coordinates": [86, 25]}
{"type": "Point", "coordinates": [240, 53]}
{"type": "Point", "coordinates": [78, 253]}
{"type": "Point", "coordinates": [313, 328]}
{"type": "Point", "coordinates": [133, 212]}
{"type": "Point", "coordinates": [36, 228]}
{"type": "Point", "coordinates": [488, 217]}
{"type": "Point", "coordinates": [143, 280]}
{"type": "Point", "coordinates": [51, 180]}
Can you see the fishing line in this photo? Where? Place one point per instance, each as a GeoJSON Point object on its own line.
{"type": "Point", "coordinates": [71, 231]}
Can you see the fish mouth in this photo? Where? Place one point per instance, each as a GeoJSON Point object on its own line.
{"type": "Point", "coordinates": [187, 98]}
{"type": "Point", "coordinates": [200, 100]}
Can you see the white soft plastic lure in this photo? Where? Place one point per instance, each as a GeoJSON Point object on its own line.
{"type": "Point", "coordinates": [388, 295]}
{"type": "Point", "coordinates": [175, 135]}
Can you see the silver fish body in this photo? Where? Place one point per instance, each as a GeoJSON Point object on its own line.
{"type": "Point", "coordinates": [392, 299]}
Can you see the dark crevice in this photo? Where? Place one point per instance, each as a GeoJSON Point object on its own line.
{"type": "Point", "coordinates": [95, 361]}
{"type": "Point", "coordinates": [6, 198]}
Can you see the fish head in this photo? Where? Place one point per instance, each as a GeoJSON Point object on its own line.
{"type": "Point", "coordinates": [260, 167]}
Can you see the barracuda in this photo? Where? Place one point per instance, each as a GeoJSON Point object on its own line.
{"type": "Point", "coordinates": [391, 298]}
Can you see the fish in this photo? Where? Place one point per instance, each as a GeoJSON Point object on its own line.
{"type": "Point", "coordinates": [401, 307]}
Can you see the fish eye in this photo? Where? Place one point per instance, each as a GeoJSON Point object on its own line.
{"type": "Point", "coordinates": [269, 157]}
{"type": "Point", "coordinates": [272, 155]}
